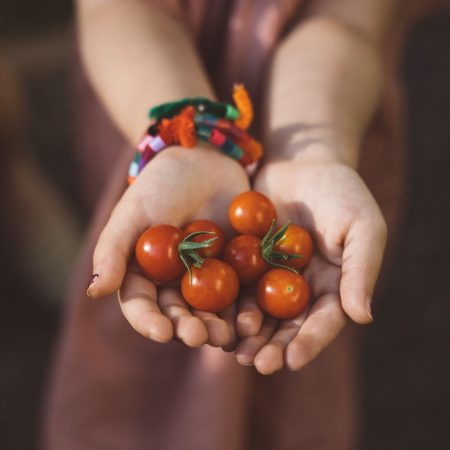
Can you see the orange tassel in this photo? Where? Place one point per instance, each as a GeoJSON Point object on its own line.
{"type": "Point", "coordinates": [165, 131]}
{"type": "Point", "coordinates": [253, 151]}
{"type": "Point", "coordinates": [179, 130]}
{"type": "Point", "coordinates": [184, 128]}
{"type": "Point", "coordinates": [244, 105]}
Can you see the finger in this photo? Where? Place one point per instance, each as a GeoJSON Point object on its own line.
{"type": "Point", "coordinates": [361, 263]}
{"type": "Point", "coordinates": [115, 246]}
{"type": "Point", "coordinates": [250, 346]}
{"type": "Point", "coordinates": [250, 316]}
{"type": "Point", "coordinates": [229, 316]}
{"type": "Point", "coordinates": [137, 299]}
{"type": "Point", "coordinates": [190, 329]}
{"type": "Point", "coordinates": [324, 322]}
{"type": "Point", "coordinates": [218, 332]}
{"type": "Point", "coordinates": [271, 356]}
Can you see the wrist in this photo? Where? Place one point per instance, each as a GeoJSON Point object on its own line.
{"type": "Point", "coordinates": [312, 144]}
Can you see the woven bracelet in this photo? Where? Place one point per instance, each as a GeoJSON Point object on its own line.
{"type": "Point", "coordinates": [186, 121]}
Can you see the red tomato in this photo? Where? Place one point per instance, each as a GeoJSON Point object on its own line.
{"type": "Point", "coordinates": [298, 241]}
{"type": "Point", "coordinates": [157, 253]}
{"type": "Point", "coordinates": [216, 249]}
{"type": "Point", "coordinates": [252, 213]}
{"type": "Point", "coordinates": [243, 254]}
{"type": "Point", "coordinates": [214, 286]}
{"type": "Point", "coordinates": [282, 293]}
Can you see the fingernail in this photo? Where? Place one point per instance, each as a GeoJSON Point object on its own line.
{"type": "Point", "coordinates": [92, 281]}
{"type": "Point", "coordinates": [244, 361]}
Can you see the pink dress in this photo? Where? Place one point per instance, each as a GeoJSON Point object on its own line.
{"type": "Point", "coordinates": [112, 389]}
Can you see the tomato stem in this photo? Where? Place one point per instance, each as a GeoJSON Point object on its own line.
{"type": "Point", "coordinates": [187, 249]}
{"type": "Point", "coordinates": [269, 254]}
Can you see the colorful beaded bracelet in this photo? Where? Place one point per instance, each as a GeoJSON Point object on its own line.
{"type": "Point", "coordinates": [191, 119]}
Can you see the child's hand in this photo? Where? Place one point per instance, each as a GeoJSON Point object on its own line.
{"type": "Point", "coordinates": [331, 201]}
{"type": "Point", "coordinates": [176, 187]}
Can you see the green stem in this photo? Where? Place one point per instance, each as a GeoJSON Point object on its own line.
{"type": "Point", "coordinates": [187, 250]}
{"type": "Point", "coordinates": [267, 248]}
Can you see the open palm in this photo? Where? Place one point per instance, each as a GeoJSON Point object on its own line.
{"type": "Point", "coordinates": [332, 202]}
{"type": "Point", "coordinates": [175, 188]}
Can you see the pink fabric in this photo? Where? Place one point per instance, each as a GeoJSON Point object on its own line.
{"type": "Point", "coordinates": [112, 389]}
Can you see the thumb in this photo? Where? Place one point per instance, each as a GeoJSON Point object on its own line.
{"type": "Point", "coordinates": [115, 246]}
{"type": "Point", "coordinates": [153, 198]}
{"type": "Point", "coordinates": [362, 257]}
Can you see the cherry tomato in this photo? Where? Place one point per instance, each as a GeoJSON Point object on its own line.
{"type": "Point", "coordinates": [282, 293]}
{"type": "Point", "coordinates": [216, 249]}
{"type": "Point", "coordinates": [243, 254]}
{"type": "Point", "coordinates": [298, 241]}
{"type": "Point", "coordinates": [157, 253]}
{"type": "Point", "coordinates": [252, 213]}
{"type": "Point", "coordinates": [214, 286]}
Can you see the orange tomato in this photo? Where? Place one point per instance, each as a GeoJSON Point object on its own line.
{"type": "Point", "coordinates": [282, 293]}
{"type": "Point", "coordinates": [298, 241]}
{"type": "Point", "coordinates": [157, 253]}
{"type": "Point", "coordinates": [213, 287]}
{"type": "Point", "coordinates": [216, 249]}
{"type": "Point", "coordinates": [252, 213]}
{"type": "Point", "coordinates": [243, 254]}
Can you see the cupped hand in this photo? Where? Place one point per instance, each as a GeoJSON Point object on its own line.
{"type": "Point", "coordinates": [330, 200]}
{"type": "Point", "coordinates": [176, 187]}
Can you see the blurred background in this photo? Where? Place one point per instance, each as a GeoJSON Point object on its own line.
{"type": "Point", "coordinates": [405, 358]}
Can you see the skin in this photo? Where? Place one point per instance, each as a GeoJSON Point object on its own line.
{"type": "Point", "coordinates": [116, 35]}
{"type": "Point", "coordinates": [341, 274]}
{"type": "Point", "coordinates": [161, 314]}
{"type": "Point", "coordinates": [320, 115]}
{"type": "Point", "coordinates": [320, 99]}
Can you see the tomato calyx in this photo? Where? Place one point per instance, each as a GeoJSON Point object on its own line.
{"type": "Point", "coordinates": [273, 257]}
{"type": "Point", "coordinates": [188, 249]}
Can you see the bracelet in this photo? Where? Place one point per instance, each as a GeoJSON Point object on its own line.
{"type": "Point", "coordinates": [185, 121]}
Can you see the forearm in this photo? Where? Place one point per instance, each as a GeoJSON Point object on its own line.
{"type": "Point", "coordinates": [325, 82]}
{"type": "Point", "coordinates": [137, 56]}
